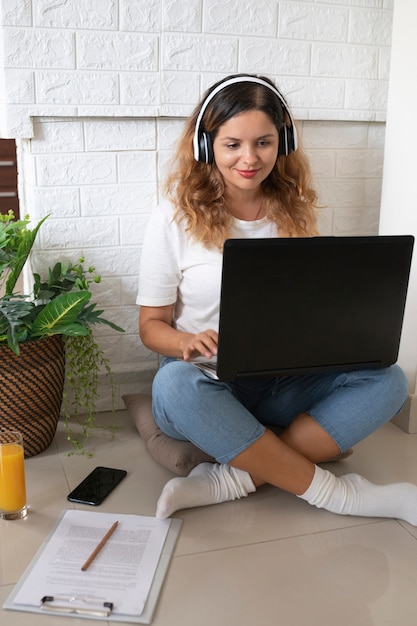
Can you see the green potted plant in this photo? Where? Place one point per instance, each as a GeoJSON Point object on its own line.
{"type": "Point", "coordinates": [48, 356]}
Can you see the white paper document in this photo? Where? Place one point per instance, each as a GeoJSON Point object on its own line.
{"type": "Point", "coordinates": [120, 576]}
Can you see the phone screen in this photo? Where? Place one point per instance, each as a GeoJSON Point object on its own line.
{"type": "Point", "coordinates": [97, 486]}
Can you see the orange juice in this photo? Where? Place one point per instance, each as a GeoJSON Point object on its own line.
{"type": "Point", "coordinates": [12, 477]}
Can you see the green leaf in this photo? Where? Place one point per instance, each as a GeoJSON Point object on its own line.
{"type": "Point", "coordinates": [60, 314]}
{"type": "Point", "coordinates": [90, 315]}
{"type": "Point", "coordinates": [14, 316]}
{"type": "Point", "coordinates": [25, 246]}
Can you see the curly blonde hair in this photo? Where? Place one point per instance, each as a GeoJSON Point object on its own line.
{"type": "Point", "coordinates": [197, 190]}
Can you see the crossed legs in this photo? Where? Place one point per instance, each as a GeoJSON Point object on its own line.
{"type": "Point", "coordinates": [289, 461]}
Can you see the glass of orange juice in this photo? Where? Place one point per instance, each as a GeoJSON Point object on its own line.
{"type": "Point", "coordinates": [12, 476]}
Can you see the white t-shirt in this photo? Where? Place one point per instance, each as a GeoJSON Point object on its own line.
{"type": "Point", "coordinates": [177, 269]}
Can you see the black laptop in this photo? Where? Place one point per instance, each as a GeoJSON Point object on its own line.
{"type": "Point", "coordinates": [305, 305]}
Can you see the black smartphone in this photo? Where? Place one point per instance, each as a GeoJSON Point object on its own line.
{"type": "Point", "coordinates": [97, 486]}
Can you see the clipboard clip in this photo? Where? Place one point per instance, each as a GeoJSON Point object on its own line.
{"type": "Point", "coordinates": [77, 605]}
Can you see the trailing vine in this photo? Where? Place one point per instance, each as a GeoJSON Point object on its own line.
{"type": "Point", "coordinates": [85, 361]}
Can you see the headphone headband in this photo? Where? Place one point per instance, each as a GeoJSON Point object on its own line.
{"type": "Point", "coordinates": [231, 81]}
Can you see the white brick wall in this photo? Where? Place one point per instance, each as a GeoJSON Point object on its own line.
{"type": "Point", "coordinates": [96, 93]}
{"type": "Point", "coordinates": [143, 57]}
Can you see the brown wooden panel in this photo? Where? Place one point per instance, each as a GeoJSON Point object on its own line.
{"type": "Point", "coordinates": [8, 177]}
{"type": "Point", "coordinates": [7, 148]}
{"type": "Point", "coordinates": [9, 203]}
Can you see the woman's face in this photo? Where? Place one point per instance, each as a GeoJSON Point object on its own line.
{"type": "Point", "coordinates": [245, 150]}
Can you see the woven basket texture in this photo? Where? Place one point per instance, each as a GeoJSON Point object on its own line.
{"type": "Point", "coordinates": [31, 387]}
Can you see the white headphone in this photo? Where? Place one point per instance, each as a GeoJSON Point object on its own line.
{"type": "Point", "coordinates": [202, 141]}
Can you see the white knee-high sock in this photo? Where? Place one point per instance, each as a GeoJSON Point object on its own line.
{"type": "Point", "coordinates": [352, 494]}
{"type": "Point", "coordinates": [207, 483]}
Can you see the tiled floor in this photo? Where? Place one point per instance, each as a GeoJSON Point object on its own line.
{"type": "Point", "coordinates": [269, 559]}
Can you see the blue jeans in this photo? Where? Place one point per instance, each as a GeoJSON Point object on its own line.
{"type": "Point", "coordinates": [223, 419]}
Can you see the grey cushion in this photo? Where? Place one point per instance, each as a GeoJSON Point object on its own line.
{"type": "Point", "coordinates": [178, 456]}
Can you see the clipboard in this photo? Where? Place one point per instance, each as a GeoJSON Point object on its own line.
{"type": "Point", "coordinates": [83, 607]}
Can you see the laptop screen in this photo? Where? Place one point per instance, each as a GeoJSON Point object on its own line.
{"type": "Point", "coordinates": [303, 305]}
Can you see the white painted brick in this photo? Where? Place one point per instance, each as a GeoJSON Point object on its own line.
{"type": "Point", "coordinates": [373, 193]}
{"type": "Point", "coordinates": [164, 164]}
{"type": "Point", "coordinates": [275, 56]}
{"type": "Point", "coordinates": [225, 16]}
{"type": "Point", "coordinates": [15, 122]}
{"type": "Point", "coordinates": [107, 292]}
{"type": "Point", "coordinates": [16, 13]}
{"type": "Point", "coordinates": [97, 232]}
{"type": "Point", "coordinates": [336, 135]}
{"type": "Point", "coordinates": [57, 201]}
{"type": "Point", "coordinates": [342, 115]}
{"type": "Point", "coordinates": [336, 193]}
{"type": "Point", "coordinates": [369, 95]}
{"type": "Point", "coordinates": [126, 317]}
{"type": "Point", "coordinates": [25, 163]}
{"type": "Point", "coordinates": [180, 88]}
{"type": "Point", "coordinates": [79, 169]}
{"type": "Point", "coordinates": [120, 135]}
{"type": "Point", "coordinates": [180, 16]}
{"type": "Point", "coordinates": [51, 111]}
{"type": "Point", "coordinates": [129, 290]}
{"type": "Point", "coordinates": [210, 78]}
{"type": "Point", "coordinates": [105, 336]}
{"type": "Point", "coordinates": [345, 60]}
{"type": "Point", "coordinates": [41, 260]}
{"type": "Point", "coordinates": [376, 136]}
{"type": "Point", "coordinates": [108, 261]}
{"type": "Point", "coordinates": [359, 164]}
{"type": "Point", "coordinates": [24, 48]}
{"type": "Point", "coordinates": [108, 51]}
{"type": "Point", "coordinates": [91, 110]}
{"type": "Point", "coordinates": [132, 229]}
{"type": "Point", "coordinates": [142, 382]}
{"type": "Point", "coordinates": [139, 89]}
{"type": "Point", "coordinates": [370, 27]}
{"type": "Point", "coordinates": [138, 167]}
{"type": "Point", "coordinates": [134, 351]}
{"type": "Point", "coordinates": [299, 20]}
{"type": "Point", "coordinates": [77, 88]}
{"type": "Point", "coordinates": [57, 136]}
{"type": "Point", "coordinates": [322, 163]}
{"type": "Point", "coordinates": [19, 87]}
{"type": "Point", "coordinates": [118, 199]}
{"type": "Point", "coordinates": [384, 63]}
{"type": "Point", "coordinates": [94, 14]}
{"type": "Point", "coordinates": [355, 222]}
{"type": "Point", "coordinates": [369, 4]}
{"type": "Point", "coordinates": [142, 16]}
{"type": "Point", "coordinates": [169, 132]}
{"type": "Point", "coordinates": [196, 53]}
{"type": "Point", "coordinates": [322, 93]}
{"type": "Point", "coordinates": [325, 222]}
{"type": "Point", "coordinates": [110, 344]}
{"type": "Point", "coordinates": [176, 110]}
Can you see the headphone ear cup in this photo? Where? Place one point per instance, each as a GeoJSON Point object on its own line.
{"type": "Point", "coordinates": [286, 140]}
{"type": "Point", "coordinates": [206, 154]}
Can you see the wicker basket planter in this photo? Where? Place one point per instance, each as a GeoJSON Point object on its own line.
{"type": "Point", "coordinates": [31, 387]}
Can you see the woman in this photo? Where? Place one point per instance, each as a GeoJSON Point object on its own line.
{"type": "Point", "coordinates": [241, 173]}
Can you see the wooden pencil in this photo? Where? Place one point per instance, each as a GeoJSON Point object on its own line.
{"type": "Point", "coordinates": [99, 547]}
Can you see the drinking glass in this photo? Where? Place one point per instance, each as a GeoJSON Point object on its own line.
{"type": "Point", "coordinates": [12, 476]}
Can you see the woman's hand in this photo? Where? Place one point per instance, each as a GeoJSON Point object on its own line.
{"type": "Point", "coordinates": [204, 344]}
{"type": "Point", "coordinates": [157, 334]}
